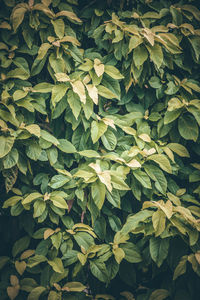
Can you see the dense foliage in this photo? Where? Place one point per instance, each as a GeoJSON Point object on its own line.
{"type": "Point", "coordinates": [99, 149]}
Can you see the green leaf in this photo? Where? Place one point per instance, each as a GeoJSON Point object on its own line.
{"type": "Point", "coordinates": [143, 178]}
{"type": "Point", "coordinates": [18, 15]}
{"type": "Point", "coordinates": [33, 150]}
{"type": "Point", "coordinates": [140, 55]}
{"type": "Point", "coordinates": [57, 265]}
{"type": "Point", "coordinates": [58, 201]}
{"type": "Point", "coordinates": [74, 286]}
{"type": "Point", "coordinates": [89, 153]}
{"type": "Point", "coordinates": [105, 92]}
{"type": "Point", "coordinates": [84, 240]}
{"type": "Point", "coordinates": [159, 294]}
{"type": "Point", "coordinates": [98, 191]}
{"type": "Point", "coordinates": [109, 140]}
{"type": "Point", "coordinates": [119, 254]}
{"type": "Point", "coordinates": [58, 181]}
{"type": "Point", "coordinates": [28, 199]}
{"type": "Point", "coordinates": [49, 137]}
{"type": "Point", "coordinates": [162, 161]}
{"type": "Point", "coordinates": [39, 208]}
{"type": "Point", "coordinates": [59, 27]}
{"type": "Point", "coordinates": [74, 103]}
{"type": "Point", "coordinates": [118, 183]}
{"type": "Point", "coordinates": [58, 92]}
{"type": "Point", "coordinates": [36, 293]}
{"type": "Point", "coordinates": [66, 147]}
{"type": "Point", "coordinates": [114, 198]}
{"type": "Point", "coordinates": [132, 253]}
{"type": "Point", "coordinates": [188, 128]}
{"type": "Point", "coordinates": [158, 250]}
{"type": "Point", "coordinates": [158, 220]}
{"type": "Point", "coordinates": [98, 269]}
{"type": "Point", "coordinates": [156, 54]}
{"type": "Point", "coordinates": [181, 267]}
{"type": "Point", "coordinates": [12, 201]}
{"type": "Point", "coordinates": [179, 149]}
{"type": "Point", "coordinates": [6, 145]}
{"type": "Point", "coordinates": [134, 42]}
{"type": "Point", "coordinates": [113, 72]}
{"type": "Point", "coordinates": [11, 159]}
{"type": "Point", "coordinates": [157, 175]}
{"type": "Point", "coordinates": [43, 50]}
{"type": "Point", "coordinates": [20, 245]}
{"type": "Point", "coordinates": [3, 261]}
{"type": "Point", "coordinates": [97, 130]}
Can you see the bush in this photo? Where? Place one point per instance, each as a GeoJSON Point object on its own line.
{"type": "Point", "coordinates": [99, 149]}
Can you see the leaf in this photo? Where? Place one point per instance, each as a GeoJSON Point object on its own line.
{"type": "Point", "coordinates": [113, 72]}
{"type": "Point", "coordinates": [39, 208]}
{"type": "Point", "coordinates": [74, 286]}
{"type": "Point", "coordinates": [143, 178]}
{"type": "Point", "coordinates": [105, 92]}
{"type": "Point", "coordinates": [58, 201]}
{"type": "Point", "coordinates": [181, 267]}
{"type": "Point", "coordinates": [97, 130]}
{"type": "Point", "coordinates": [6, 145]}
{"type": "Point", "coordinates": [20, 266]}
{"type": "Point", "coordinates": [33, 150]}
{"type": "Point", "coordinates": [49, 137]}
{"type": "Point", "coordinates": [59, 27]}
{"type": "Point", "coordinates": [188, 128]}
{"type": "Point", "coordinates": [179, 149]}
{"type": "Point", "coordinates": [98, 269]}
{"type": "Point", "coordinates": [58, 92]}
{"type": "Point", "coordinates": [119, 254]}
{"type": "Point", "coordinates": [58, 181]}
{"type": "Point", "coordinates": [134, 42]}
{"type": "Point", "coordinates": [33, 129]}
{"type": "Point", "coordinates": [162, 161]}
{"type": "Point", "coordinates": [11, 159]}
{"type": "Point", "coordinates": [98, 191]}
{"type": "Point", "coordinates": [109, 140]}
{"type": "Point", "coordinates": [158, 220]}
{"type": "Point", "coordinates": [159, 294]}
{"type": "Point", "coordinates": [43, 87]}
{"type": "Point", "coordinates": [156, 55]}
{"type": "Point", "coordinates": [28, 199]}
{"type": "Point", "coordinates": [84, 240]}
{"type": "Point", "coordinates": [66, 146]}
{"type": "Point", "coordinates": [74, 103]}
{"type": "Point", "coordinates": [78, 88]}
{"type": "Point", "coordinates": [118, 183]}
{"type": "Point", "coordinates": [140, 55]}
{"type": "Point", "coordinates": [89, 153]}
{"type": "Point", "coordinates": [69, 14]}
{"type": "Point", "coordinates": [20, 245]}
{"type": "Point", "coordinates": [157, 175]}
{"type": "Point", "coordinates": [57, 265]}
{"type": "Point", "coordinates": [12, 292]}
{"type": "Point", "coordinates": [3, 261]}
{"type": "Point", "coordinates": [93, 92]}
{"type": "Point", "coordinates": [158, 250]}
{"type": "Point", "coordinates": [18, 15]}
{"type": "Point", "coordinates": [53, 295]}
{"type": "Point", "coordinates": [36, 292]}
{"type": "Point", "coordinates": [132, 253]}
{"type": "Point", "coordinates": [43, 50]}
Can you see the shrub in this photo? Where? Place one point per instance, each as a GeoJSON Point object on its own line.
{"type": "Point", "coordinates": [99, 149]}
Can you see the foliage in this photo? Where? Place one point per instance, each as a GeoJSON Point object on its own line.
{"type": "Point", "coordinates": [99, 149]}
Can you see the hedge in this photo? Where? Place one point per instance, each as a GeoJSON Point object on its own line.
{"type": "Point", "coordinates": [99, 149]}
